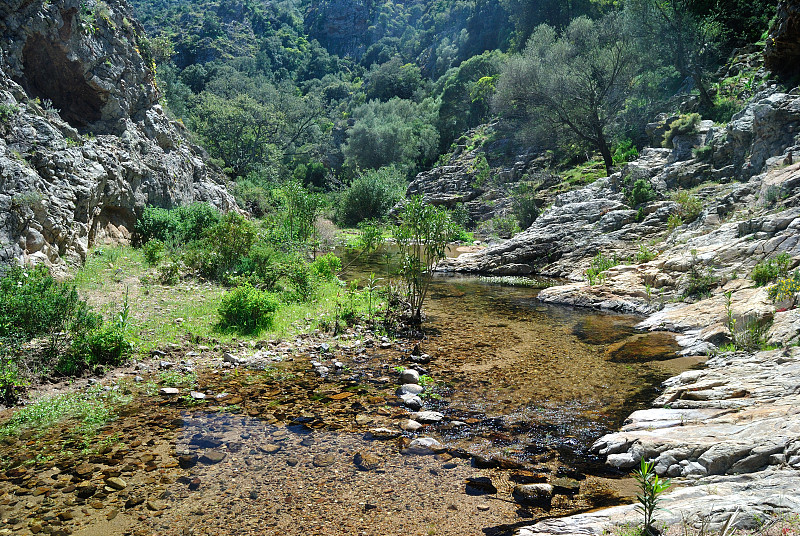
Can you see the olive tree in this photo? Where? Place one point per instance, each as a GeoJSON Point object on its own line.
{"type": "Point", "coordinates": [578, 80]}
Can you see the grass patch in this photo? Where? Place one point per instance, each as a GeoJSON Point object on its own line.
{"type": "Point", "coordinates": [582, 174]}
{"type": "Point", "coordinates": [89, 409]}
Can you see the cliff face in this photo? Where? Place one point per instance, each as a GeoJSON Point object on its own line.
{"type": "Point", "coordinates": [84, 146]}
{"type": "Point", "coordinates": [783, 44]}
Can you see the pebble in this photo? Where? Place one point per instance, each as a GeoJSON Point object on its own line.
{"type": "Point", "coordinates": [169, 391]}
{"type": "Point", "coordinates": [212, 457]}
{"type": "Point", "coordinates": [427, 417]}
{"type": "Point", "coordinates": [410, 389]}
{"type": "Point", "coordinates": [270, 448]}
{"type": "Point", "coordinates": [323, 460]}
{"type": "Point", "coordinates": [412, 402]}
{"type": "Point", "coordinates": [538, 495]}
{"type": "Point", "coordinates": [411, 425]}
{"type": "Point", "coordinates": [383, 433]}
{"type": "Point", "coordinates": [367, 461]}
{"type": "Point", "coordinates": [116, 483]}
{"type": "Point", "coordinates": [423, 446]}
{"type": "Point", "coordinates": [197, 395]}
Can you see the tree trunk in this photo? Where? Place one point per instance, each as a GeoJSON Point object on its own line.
{"type": "Point", "coordinates": [605, 150]}
{"type": "Point", "coordinates": [705, 99]}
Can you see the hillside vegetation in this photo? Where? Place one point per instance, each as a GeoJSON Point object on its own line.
{"type": "Point", "coordinates": [323, 91]}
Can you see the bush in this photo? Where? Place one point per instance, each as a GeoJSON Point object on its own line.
{"type": "Point", "coordinates": [11, 384]}
{"type": "Point", "coordinates": [106, 345]}
{"type": "Point", "coordinates": [178, 225]}
{"type": "Point", "coordinates": [641, 191]}
{"type": "Point", "coordinates": [768, 270]}
{"type": "Point", "coordinates": [689, 206]}
{"type": "Point", "coordinates": [524, 205]}
{"type": "Point", "coordinates": [625, 151]}
{"type": "Point", "coordinates": [326, 267]}
{"type": "Point", "coordinates": [370, 196]}
{"type": "Point", "coordinates": [33, 304]}
{"type": "Point", "coordinates": [247, 309]}
{"type": "Point", "coordinates": [154, 251]}
{"type": "Point", "coordinates": [685, 124]}
{"type": "Point", "coordinates": [600, 263]}
{"type": "Point", "coordinates": [645, 254]}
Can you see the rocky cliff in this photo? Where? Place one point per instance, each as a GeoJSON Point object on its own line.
{"type": "Point", "coordinates": [84, 145]}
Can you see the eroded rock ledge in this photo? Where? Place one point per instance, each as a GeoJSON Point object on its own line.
{"type": "Point", "coordinates": [84, 146]}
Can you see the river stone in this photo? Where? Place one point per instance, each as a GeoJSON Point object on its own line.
{"type": "Point", "coordinates": [410, 388]}
{"type": "Point", "coordinates": [413, 402]}
{"type": "Point", "coordinates": [169, 391]}
{"type": "Point", "coordinates": [211, 457]}
{"type": "Point", "coordinates": [116, 483]}
{"type": "Point", "coordinates": [409, 376]}
{"type": "Point", "coordinates": [423, 445]}
{"type": "Point", "coordinates": [367, 461]}
{"type": "Point", "coordinates": [270, 448]}
{"type": "Point", "coordinates": [324, 460]}
{"type": "Point", "coordinates": [410, 425]}
{"type": "Point", "coordinates": [479, 486]}
{"type": "Point", "coordinates": [427, 417]}
{"type": "Point", "coordinates": [187, 460]}
{"type": "Point", "coordinates": [537, 495]}
{"type": "Point", "coordinates": [383, 433]}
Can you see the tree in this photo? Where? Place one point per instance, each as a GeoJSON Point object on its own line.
{"type": "Point", "coordinates": [690, 41]}
{"type": "Point", "coordinates": [579, 80]}
{"type": "Point", "coordinates": [398, 131]}
{"type": "Point", "coordinates": [422, 236]}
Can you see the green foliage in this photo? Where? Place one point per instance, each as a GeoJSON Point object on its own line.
{"type": "Point", "coordinates": [11, 383]}
{"type": "Point", "coordinates": [247, 310]}
{"type": "Point", "coordinates": [154, 250]}
{"type": "Point", "coordinates": [33, 304]}
{"type": "Point", "coordinates": [422, 236]}
{"type": "Point", "coordinates": [326, 267]}
{"type": "Point", "coordinates": [480, 171]}
{"type": "Point", "coordinates": [575, 83]}
{"type": "Point", "coordinates": [685, 124]}
{"type": "Point", "coordinates": [399, 132]}
{"type": "Point", "coordinates": [178, 225]}
{"type": "Point", "coordinates": [625, 151]}
{"type": "Point", "coordinates": [645, 254]}
{"type": "Point", "coordinates": [701, 278]}
{"type": "Point", "coordinates": [104, 346]}
{"type": "Point", "coordinates": [769, 270]}
{"type": "Point", "coordinates": [639, 192]}
{"type": "Point", "coordinates": [370, 196]}
{"type": "Point", "coordinates": [674, 221]}
{"type": "Point", "coordinates": [7, 111]}
{"type": "Point", "coordinates": [689, 206]}
{"type": "Point", "coordinates": [392, 79]}
{"type": "Point", "coordinates": [600, 263]}
{"type": "Point", "coordinates": [651, 486]}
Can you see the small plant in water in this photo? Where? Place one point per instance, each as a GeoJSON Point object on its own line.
{"type": "Point", "coordinates": [650, 489]}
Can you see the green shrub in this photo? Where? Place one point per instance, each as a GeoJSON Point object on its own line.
{"type": "Point", "coordinates": [768, 270]}
{"type": "Point", "coordinates": [178, 225]}
{"type": "Point", "coordinates": [640, 192]}
{"type": "Point", "coordinates": [169, 273]}
{"type": "Point", "coordinates": [524, 205]}
{"type": "Point", "coordinates": [645, 254]}
{"type": "Point", "coordinates": [7, 111]}
{"type": "Point", "coordinates": [600, 263]}
{"type": "Point", "coordinates": [625, 151]}
{"type": "Point", "coordinates": [154, 251]}
{"type": "Point", "coordinates": [701, 278]}
{"type": "Point", "coordinates": [370, 196]}
{"type": "Point", "coordinates": [326, 267]}
{"type": "Point", "coordinates": [301, 280]}
{"type": "Point", "coordinates": [247, 309]}
{"type": "Point", "coordinates": [684, 124]}
{"type": "Point", "coordinates": [11, 383]}
{"type": "Point", "coordinates": [689, 206]}
{"type": "Point", "coordinates": [105, 346]}
{"type": "Point", "coordinates": [674, 221]}
{"type": "Point", "coordinates": [223, 247]}
{"type": "Point", "coordinates": [33, 304]}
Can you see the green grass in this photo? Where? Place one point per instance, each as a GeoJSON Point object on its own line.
{"type": "Point", "coordinates": [106, 277]}
{"type": "Point", "coordinates": [89, 409]}
{"type": "Point", "coordinates": [582, 174]}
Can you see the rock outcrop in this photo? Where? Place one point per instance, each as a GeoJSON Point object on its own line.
{"type": "Point", "coordinates": [782, 52]}
{"type": "Point", "coordinates": [84, 145]}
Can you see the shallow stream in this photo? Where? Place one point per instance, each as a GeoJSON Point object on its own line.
{"type": "Point", "coordinates": [524, 385]}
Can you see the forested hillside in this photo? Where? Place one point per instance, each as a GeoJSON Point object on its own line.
{"type": "Point", "coordinates": [325, 92]}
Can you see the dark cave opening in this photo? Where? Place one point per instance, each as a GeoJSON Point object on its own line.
{"type": "Point", "coordinates": [49, 74]}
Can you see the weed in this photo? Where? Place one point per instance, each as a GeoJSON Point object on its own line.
{"type": "Point", "coordinates": [701, 278]}
{"type": "Point", "coordinates": [599, 265]}
{"type": "Point", "coordinates": [685, 124]}
{"type": "Point", "coordinates": [689, 206]}
{"type": "Point", "coordinates": [785, 287]}
{"type": "Point", "coordinates": [247, 309]}
{"type": "Point", "coordinates": [650, 488]}
{"type": "Point", "coordinates": [645, 254]}
{"type": "Point", "coordinates": [769, 270]}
